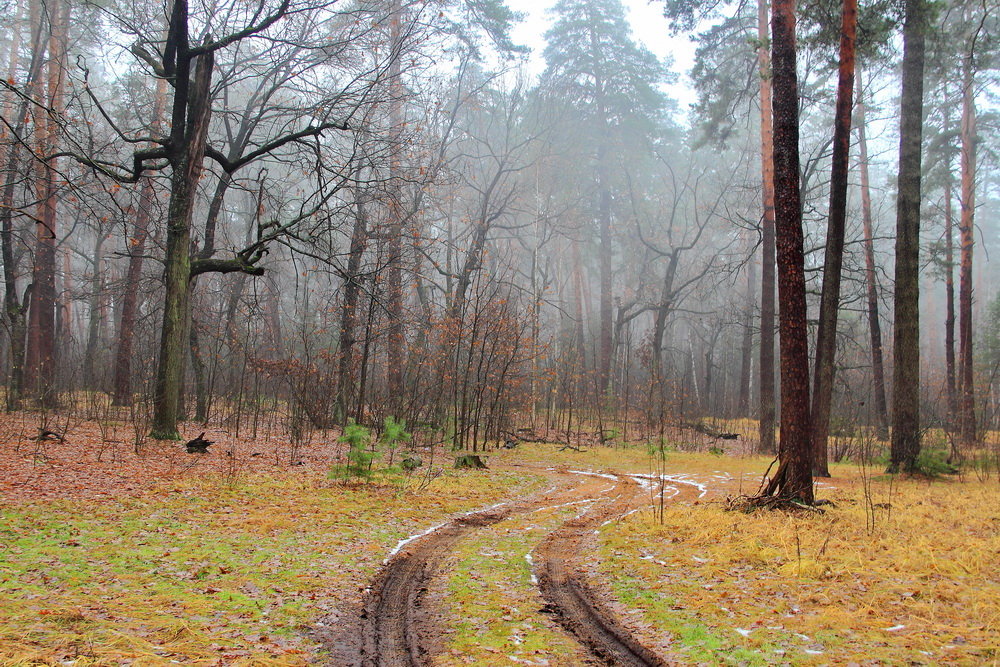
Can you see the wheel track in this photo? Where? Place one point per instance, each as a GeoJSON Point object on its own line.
{"type": "Point", "coordinates": [394, 614]}
{"type": "Point", "coordinates": [396, 627]}
{"type": "Point", "coordinates": [573, 601]}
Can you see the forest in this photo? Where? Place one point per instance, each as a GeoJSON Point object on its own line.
{"type": "Point", "coordinates": [475, 332]}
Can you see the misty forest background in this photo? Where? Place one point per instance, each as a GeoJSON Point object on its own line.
{"type": "Point", "coordinates": [290, 214]}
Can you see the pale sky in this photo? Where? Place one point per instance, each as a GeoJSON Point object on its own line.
{"type": "Point", "coordinates": [648, 27]}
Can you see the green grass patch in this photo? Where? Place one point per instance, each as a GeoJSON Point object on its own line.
{"type": "Point", "coordinates": [201, 571]}
{"type": "Point", "coordinates": [493, 603]}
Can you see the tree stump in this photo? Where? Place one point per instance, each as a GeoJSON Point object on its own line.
{"type": "Point", "coordinates": [469, 461]}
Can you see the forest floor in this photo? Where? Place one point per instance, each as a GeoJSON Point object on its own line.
{"type": "Point", "coordinates": [250, 555]}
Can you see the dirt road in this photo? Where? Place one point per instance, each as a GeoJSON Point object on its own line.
{"type": "Point", "coordinates": [398, 625]}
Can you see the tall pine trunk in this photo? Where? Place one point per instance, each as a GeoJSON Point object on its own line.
{"type": "Point", "coordinates": [871, 280]}
{"type": "Point", "coordinates": [949, 288]}
{"type": "Point", "coordinates": [966, 378]}
{"type": "Point", "coordinates": [746, 350]}
{"type": "Point", "coordinates": [41, 354]}
{"type": "Point", "coordinates": [826, 337]}
{"type": "Point", "coordinates": [794, 477]}
{"type": "Point", "coordinates": [122, 383]}
{"type": "Point", "coordinates": [394, 288]}
{"type": "Point", "coordinates": [767, 278]}
{"type": "Point", "coordinates": [905, 446]}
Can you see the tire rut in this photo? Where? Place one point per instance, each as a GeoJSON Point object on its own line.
{"type": "Point", "coordinates": [394, 615]}
{"type": "Point", "coordinates": [571, 599]}
{"type": "Point", "coordinates": [395, 626]}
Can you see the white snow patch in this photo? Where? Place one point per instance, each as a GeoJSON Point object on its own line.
{"type": "Point", "coordinates": [406, 540]}
{"type": "Point", "coordinates": [684, 479]}
{"type": "Point", "coordinates": [531, 567]}
{"type": "Point", "coordinates": [743, 631]}
{"type": "Point", "coordinates": [605, 475]}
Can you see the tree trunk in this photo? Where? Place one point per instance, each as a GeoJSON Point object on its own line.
{"type": "Point", "coordinates": [130, 297]}
{"type": "Point", "coordinates": [966, 379]}
{"type": "Point", "coordinates": [905, 445]}
{"type": "Point", "coordinates": [795, 451]}
{"type": "Point", "coordinates": [746, 351]}
{"type": "Point", "coordinates": [949, 287]}
{"type": "Point", "coordinates": [394, 286]}
{"type": "Point", "coordinates": [15, 306]}
{"type": "Point", "coordinates": [349, 311]}
{"type": "Point", "coordinates": [605, 347]}
{"type": "Point", "coordinates": [767, 279]}
{"type": "Point", "coordinates": [871, 280]}
{"type": "Point", "coordinates": [41, 354]}
{"type": "Point", "coordinates": [190, 118]}
{"type": "Point", "coordinates": [122, 391]}
{"type": "Point", "coordinates": [96, 320]}
{"type": "Point", "coordinates": [660, 319]}
{"type": "Point", "coordinates": [200, 382]}
{"type": "Point", "coordinates": [826, 338]}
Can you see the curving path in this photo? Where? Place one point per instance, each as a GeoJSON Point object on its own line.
{"type": "Point", "coordinates": [396, 627]}
{"type": "Point", "coordinates": [564, 585]}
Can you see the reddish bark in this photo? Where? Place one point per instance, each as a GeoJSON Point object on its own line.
{"type": "Point", "coordinates": [795, 449]}
{"type": "Point", "coordinates": [826, 337]}
{"type": "Point", "coordinates": [40, 366]}
{"type": "Point", "coordinates": [966, 380]}
{"type": "Point", "coordinates": [767, 279]}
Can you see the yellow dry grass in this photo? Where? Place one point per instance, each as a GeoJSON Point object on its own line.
{"type": "Point", "coordinates": [898, 571]}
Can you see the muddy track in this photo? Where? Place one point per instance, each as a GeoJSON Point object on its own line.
{"type": "Point", "coordinates": [393, 612]}
{"type": "Point", "coordinates": [571, 599]}
{"type": "Point", "coordinates": [397, 625]}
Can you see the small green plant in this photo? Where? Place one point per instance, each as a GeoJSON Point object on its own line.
{"type": "Point", "coordinates": [393, 434]}
{"type": "Point", "coordinates": [933, 462]}
{"type": "Point", "coordinates": [360, 454]}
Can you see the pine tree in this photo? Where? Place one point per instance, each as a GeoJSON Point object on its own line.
{"type": "Point", "coordinates": [610, 86]}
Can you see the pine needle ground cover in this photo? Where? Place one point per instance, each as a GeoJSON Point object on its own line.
{"type": "Point", "coordinates": [898, 571]}
{"type": "Point", "coordinates": [206, 569]}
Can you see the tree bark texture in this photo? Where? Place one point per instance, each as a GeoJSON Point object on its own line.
{"type": "Point", "coordinates": [41, 354]}
{"type": "Point", "coordinates": [746, 351]}
{"type": "Point", "coordinates": [966, 379]}
{"type": "Point", "coordinates": [826, 337]}
{"type": "Point", "coordinates": [767, 277]}
{"type": "Point", "coordinates": [905, 446]}
{"type": "Point", "coordinates": [949, 288]}
{"type": "Point", "coordinates": [189, 130]}
{"type": "Point", "coordinates": [795, 449]}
